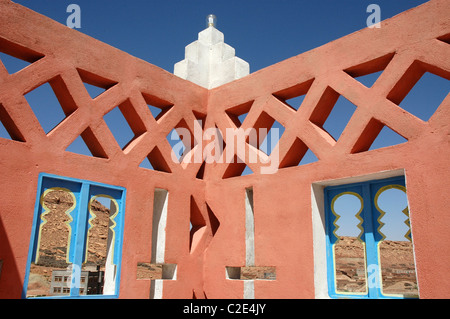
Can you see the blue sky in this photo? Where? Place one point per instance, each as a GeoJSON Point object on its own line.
{"type": "Point", "coordinates": [391, 201]}
{"type": "Point", "coordinates": [263, 32]}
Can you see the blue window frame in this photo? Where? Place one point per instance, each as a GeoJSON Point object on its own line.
{"type": "Point", "coordinates": [366, 233]}
{"type": "Point", "coordinates": [79, 220]}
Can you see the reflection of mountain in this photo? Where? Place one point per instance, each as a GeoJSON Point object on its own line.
{"type": "Point", "coordinates": [397, 266]}
{"type": "Point", "coordinates": [54, 236]}
{"type": "Point", "coordinates": [54, 239]}
{"type": "Point", "coordinates": [55, 232]}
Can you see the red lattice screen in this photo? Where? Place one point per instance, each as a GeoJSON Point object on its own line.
{"type": "Point", "coordinates": [210, 196]}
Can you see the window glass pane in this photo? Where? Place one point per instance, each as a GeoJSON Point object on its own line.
{"type": "Point", "coordinates": [349, 249]}
{"type": "Point", "coordinates": [53, 241]}
{"type": "Point", "coordinates": [373, 257]}
{"type": "Point", "coordinates": [395, 247]}
{"type": "Point", "coordinates": [76, 243]}
{"type": "Point", "coordinates": [98, 265]}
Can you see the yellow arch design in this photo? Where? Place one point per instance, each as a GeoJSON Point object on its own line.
{"type": "Point", "coordinates": [336, 227]}
{"type": "Point", "coordinates": [44, 220]}
{"type": "Point", "coordinates": [382, 212]}
{"type": "Point", "coordinates": [358, 215]}
{"type": "Point", "coordinates": [111, 218]}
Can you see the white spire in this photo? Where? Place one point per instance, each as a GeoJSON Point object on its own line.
{"type": "Point", "coordinates": [209, 61]}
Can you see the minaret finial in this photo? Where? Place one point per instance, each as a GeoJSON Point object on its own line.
{"type": "Point", "coordinates": [211, 20]}
{"type": "Point", "coordinates": [209, 61]}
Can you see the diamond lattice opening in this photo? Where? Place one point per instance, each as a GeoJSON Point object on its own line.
{"type": "Point", "coordinates": [8, 128]}
{"type": "Point", "coordinates": [87, 144]}
{"type": "Point", "coordinates": [157, 106]}
{"type": "Point", "coordinates": [125, 124]}
{"type": "Point", "coordinates": [368, 72]}
{"type": "Point", "coordinates": [200, 118]}
{"type": "Point", "coordinates": [146, 164]}
{"type": "Point", "coordinates": [155, 161]}
{"type": "Point", "coordinates": [12, 64]}
{"type": "Point", "coordinates": [377, 135]}
{"type": "Point", "coordinates": [51, 103]}
{"type": "Point", "coordinates": [262, 126]}
{"type": "Point", "coordinates": [445, 38]}
{"type": "Point", "coordinates": [332, 113]}
{"type": "Point", "coordinates": [387, 137]}
{"type": "Point", "coordinates": [213, 221]}
{"type": "Point", "coordinates": [198, 225]}
{"type": "Point", "coordinates": [201, 171]}
{"type": "Point", "coordinates": [293, 97]}
{"type": "Point", "coordinates": [272, 137]}
{"type": "Point", "coordinates": [181, 140]}
{"type": "Point", "coordinates": [369, 80]}
{"type": "Point", "coordinates": [421, 90]}
{"type": "Point", "coordinates": [177, 145]}
{"type": "Point", "coordinates": [95, 84]}
{"type": "Point", "coordinates": [15, 57]}
{"type": "Point", "coordinates": [78, 146]}
{"type": "Point", "coordinates": [214, 150]}
{"type": "Point", "coordinates": [298, 154]}
{"type": "Point", "coordinates": [237, 168]}
{"type": "Point", "coordinates": [247, 171]}
{"type": "Point", "coordinates": [309, 158]}
{"type": "Point", "coordinates": [237, 114]}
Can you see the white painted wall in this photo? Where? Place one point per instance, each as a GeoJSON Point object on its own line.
{"type": "Point", "coordinates": [160, 203]}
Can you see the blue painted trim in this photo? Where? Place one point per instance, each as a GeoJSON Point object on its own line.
{"type": "Point", "coordinates": [80, 215]}
{"type": "Point", "coordinates": [371, 246]}
{"type": "Point", "coordinates": [367, 190]}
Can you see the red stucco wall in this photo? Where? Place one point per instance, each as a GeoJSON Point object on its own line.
{"type": "Point", "coordinates": [282, 201]}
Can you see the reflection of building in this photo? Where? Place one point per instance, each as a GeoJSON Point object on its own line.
{"type": "Point", "coordinates": [91, 282]}
{"type": "Point", "coordinates": [95, 282]}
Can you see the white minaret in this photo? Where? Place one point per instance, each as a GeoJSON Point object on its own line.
{"type": "Point", "coordinates": [209, 61]}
